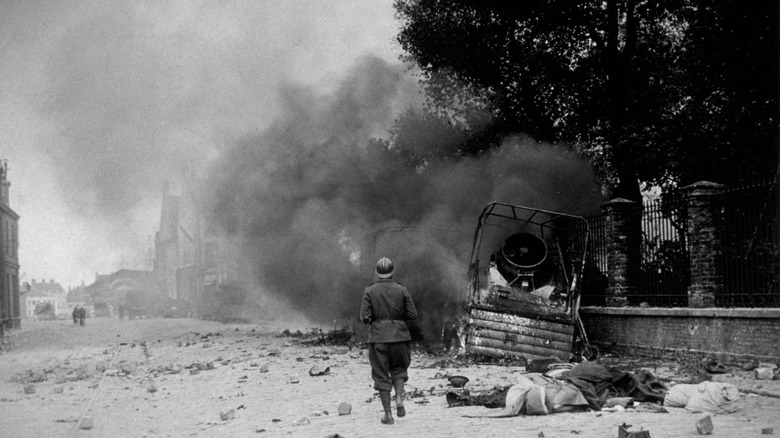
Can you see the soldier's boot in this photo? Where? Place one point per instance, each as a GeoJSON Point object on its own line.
{"type": "Point", "coordinates": [399, 397]}
{"type": "Point", "coordinates": [384, 396]}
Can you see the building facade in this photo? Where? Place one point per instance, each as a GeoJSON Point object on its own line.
{"type": "Point", "coordinates": [194, 259]}
{"type": "Point", "coordinates": [42, 293]}
{"type": "Point", "coordinates": [10, 309]}
{"type": "Point", "coordinates": [124, 292]}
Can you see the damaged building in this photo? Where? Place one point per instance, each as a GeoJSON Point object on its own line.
{"type": "Point", "coordinates": [195, 263]}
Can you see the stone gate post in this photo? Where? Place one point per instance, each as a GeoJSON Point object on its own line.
{"type": "Point", "coordinates": [704, 243]}
{"type": "Point", "coordinates": [622, 219]}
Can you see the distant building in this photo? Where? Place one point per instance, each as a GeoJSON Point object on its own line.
{"type": "Point", "coordinates": [44, 292]}
{"type": "Point", "coordinates": [10, 309]}
{"type": "Point", "coordinates": [194, 260]}
{"type": "Point", "coordinates": [134, 289]}
{"type": "Point", "coordinates": [166, 245]}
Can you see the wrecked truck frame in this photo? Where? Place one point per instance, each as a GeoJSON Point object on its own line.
{"type": "Point", "coordinates": [524, 277]}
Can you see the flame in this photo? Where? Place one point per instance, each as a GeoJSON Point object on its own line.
{"type": "Point", "coordinates": [349, 246]}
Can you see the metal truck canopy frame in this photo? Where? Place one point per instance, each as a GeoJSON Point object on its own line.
{"type": "Point", "coordinates": [524, 271]}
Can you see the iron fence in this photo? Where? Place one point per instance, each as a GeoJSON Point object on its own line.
{"type": "Point", "coordinates": [594, 280]}
{"type": "Point", "coordinates": [748, 262]}
{"type": "Point", "coordinates": [665, 270]}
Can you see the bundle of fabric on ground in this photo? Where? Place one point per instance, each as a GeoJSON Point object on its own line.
{"type": "Point", "coordinates": [599, 383]}
{"type": "Point", "coordinates": [586, 385]}
{"type": "Point", "coordinates": [712, 397]}
{"type": "Point", "coordinates": [492, 400]}
{"type": "Point", "coordinates": [535, 394]}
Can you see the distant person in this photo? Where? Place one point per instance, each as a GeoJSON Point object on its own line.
{"type": "Point", "coordinates": [76, 315]}
{"type": "Point", "coordinates": [386, 307]}
{"type": "Point", "coordinates": [82, 315]}
{"type": "Point", "coordinates": [121, 312]}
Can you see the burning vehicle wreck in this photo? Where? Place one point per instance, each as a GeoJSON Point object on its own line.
{"type": "Point", "coordinates": [524, 277]}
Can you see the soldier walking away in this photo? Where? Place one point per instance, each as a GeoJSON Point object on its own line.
{"type": "Point", "coordinates": [386, 307]}
{"type": "Point", "coordinates": [76, 315]}
{"type": "Point", "coordinates": [82, 315]}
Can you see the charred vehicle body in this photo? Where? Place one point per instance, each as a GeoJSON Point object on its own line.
{"type": "Point", "coordinates": [524, 274]}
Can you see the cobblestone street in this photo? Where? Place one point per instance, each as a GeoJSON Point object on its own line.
{"type": "Point", "coordinates": [180, 377]}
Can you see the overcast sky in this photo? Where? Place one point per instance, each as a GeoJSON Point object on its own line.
{"type": "Point", "coordinates": [101, 100]}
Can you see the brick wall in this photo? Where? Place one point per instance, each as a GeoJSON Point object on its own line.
{"type": "Point", "coordinates": [730, 335]}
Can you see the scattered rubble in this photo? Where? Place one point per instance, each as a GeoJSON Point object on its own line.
{"type": "Point", "coordinates": [316, 336]}
{"type": "Point", "coordinates": [749, 365]}
{"type": "Point", "coordinates": [29, 376]}
{"type": "Point", "coordinates": [87, 423]}
{"type": "Point", "coordinates": [345, 408]}
{"type": "Point", "coordinates": [301, 422]}
{"type": "Point", "coordinates": [227, 415]}
{"type": "Point", "coordinates": [202, 366]}
{"type": "Point", "coordinates": [763, 373]}
{"type": "Point", "coordinates": [487, 380]}
{"type": "Point", "coordinates": [316, 370]}
{"type": "Point", "coordinates": [704, 425]}
{"type": "Point", "coordinates": [624, 432]}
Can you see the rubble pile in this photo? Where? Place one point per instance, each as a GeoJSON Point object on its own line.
{"type": "Point", "coordinates": [315, 336]}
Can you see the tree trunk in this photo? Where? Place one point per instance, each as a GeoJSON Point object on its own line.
{"type": "Point", "coordinates": [618, 67]}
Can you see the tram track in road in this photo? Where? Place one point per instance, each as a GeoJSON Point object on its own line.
{"type": "Point", "coordinates": [88, 406]}
{"type": "Point", "coordinates": [107, 370]}
{"type": "Point", "coordinates": [137, 387]}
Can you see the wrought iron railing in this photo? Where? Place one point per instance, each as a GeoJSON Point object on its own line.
{"type": "Point", "coordinates": [749, 257]}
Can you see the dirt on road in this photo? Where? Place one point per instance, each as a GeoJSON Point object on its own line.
{"type": "Point", "coordinates": [193, 378]}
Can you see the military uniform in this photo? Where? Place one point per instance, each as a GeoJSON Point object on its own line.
{"type": "Point", "coordinates": [386, 306]}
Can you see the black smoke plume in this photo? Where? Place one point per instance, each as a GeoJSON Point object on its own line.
{"type": "Point", "coordinates": [316, 204]}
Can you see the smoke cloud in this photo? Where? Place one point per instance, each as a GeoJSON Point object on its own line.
{"type": "Point", "coordinates": [104, 101]}
{"type": "Point", "coordinates": [316, 203]}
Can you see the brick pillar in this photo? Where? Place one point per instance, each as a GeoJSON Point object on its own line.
{"type": "Point", "coordinates": [622, 219]}
{"type": "Point", "coordinates": [704, 243]}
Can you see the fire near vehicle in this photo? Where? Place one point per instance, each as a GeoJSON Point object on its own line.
{"type": "Point", "coordinates": [525, 269]}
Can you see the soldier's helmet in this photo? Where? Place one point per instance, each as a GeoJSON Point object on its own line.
{"type": "Point", "coordinates": [384, 268]}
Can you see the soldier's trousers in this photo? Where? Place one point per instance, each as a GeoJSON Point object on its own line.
{"type": "Point", "coordinates": [389, 361]}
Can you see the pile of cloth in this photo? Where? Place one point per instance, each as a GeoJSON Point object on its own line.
{"type": "Point", "coordinates": [599, 383]}
{"type": "Point", "coordinates": [535, 394]}
{"type": "Point", "coordinates": [587, 385]}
